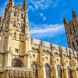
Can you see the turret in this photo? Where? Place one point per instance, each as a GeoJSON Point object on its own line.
{"type": "Point", "coordinates": [10, 3]}
{"type": "Point", "coordinates": [74, 14]}
{"type": "Point", "coordinates": [26, 22]}
{"type": "Point", "coordinates": [25, 5]}
{"type": "Point", "coordinates": [9, 8]}
{"type": "Point", "coordinates": [66, 26]}
{"type": "Point", "coordinates": [24, 9]}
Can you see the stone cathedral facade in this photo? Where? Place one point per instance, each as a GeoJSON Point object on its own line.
{"type": "Point", "coordinates": [24, 57]}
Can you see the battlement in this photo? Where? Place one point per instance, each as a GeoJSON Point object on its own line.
{"type": "Point", "coordinates": [53, 48]}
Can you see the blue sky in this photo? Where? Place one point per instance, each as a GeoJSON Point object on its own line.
{"type": "Point", "coordinates": [46, 18]}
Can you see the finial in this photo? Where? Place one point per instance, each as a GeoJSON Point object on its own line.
{"type": "Point", "coordinates": [65, 21]}
{"type": "Point", "coordinates": [25, 5]}
{"type": "Point", "coordinates": [11, 3]}
{"type": "Point", "coordinates": [19, 7]}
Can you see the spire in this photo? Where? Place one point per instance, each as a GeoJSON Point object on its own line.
{"type": "Point", "coordinates": [25, 14]}
{"type": "Point", "coordinates": [74, 14]}
{"type": "Point", "coordinates": [24, 6]}
{"type": "Point", "coordinates": [65, 21]}
{"type": "Point", "coordinates": [10, 3]}
{"type": "Point", "coordinates": [26, 21]}
{"type": "Point", "coordinates": [19, 8]}
{"type": "Point", "coordinates": [25, 11]}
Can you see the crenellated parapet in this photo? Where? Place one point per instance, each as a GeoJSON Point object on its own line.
{"type": "Point", "coordinates": [54, 55]}
{"type": "Point", "coordinates": [53, 50]}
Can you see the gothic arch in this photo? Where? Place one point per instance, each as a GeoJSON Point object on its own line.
{"type": "Point", "coordinates": [48, 70]}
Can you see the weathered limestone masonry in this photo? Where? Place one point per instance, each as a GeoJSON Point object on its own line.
{"type": "Point", "coordinates": [24, 57]}
{"type": "Point", "coordinates": [42, 54]}
{"type": "Point", "coordinates": [71, 28]}
{"type": "Point", "coordinates": [63, 62]}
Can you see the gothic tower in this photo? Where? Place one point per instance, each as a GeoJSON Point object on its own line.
{"type": "Point", "coordinates": [71, 29]}
{"type": "Point", "coordinates": [16, 38]}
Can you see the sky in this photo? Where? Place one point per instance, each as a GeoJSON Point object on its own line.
{"type": "Point", "coordinates": [46, 18]}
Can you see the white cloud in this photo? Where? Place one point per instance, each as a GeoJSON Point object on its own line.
{"type": "Point", "coordinates": [54, 29]}
{"type": "Point", "coordinates": [41, 14]}
{"type": "Point", "coordinates": [44, 18]}
{"type": "Point", "coordinates": [41, 4]}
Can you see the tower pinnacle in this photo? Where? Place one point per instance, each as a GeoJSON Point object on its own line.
{"type": "Point", "coordinates": [65, 21]}
{"type": "Point", "coordinates": [25, 6]}
{"type": "Point", "coordinates": [74, 14]}
{"type": "Point", "coordinates": [10, 3]}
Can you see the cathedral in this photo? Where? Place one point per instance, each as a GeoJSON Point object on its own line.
{"type": "Point", "coordinates": [72, 31]}
{"type": "Point", "coordinates": [24, 57]}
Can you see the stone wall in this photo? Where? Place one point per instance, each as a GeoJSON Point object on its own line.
{"type": "Point", "coordinates": [46, 53]}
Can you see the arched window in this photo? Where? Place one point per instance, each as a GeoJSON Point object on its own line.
{"type": "Point", "coordinates": [48, 70]}
{"type": "Point", "coordinates": [35, 69]}
{"type": "Point", "coordinates": [70, 73]}
{"type": "Point", "coordinates": [59, 70]}
{"type": "Point", "coordinates": [16, 62]}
